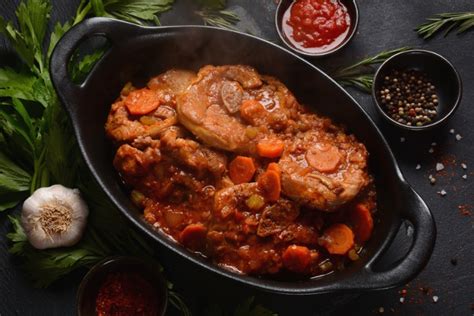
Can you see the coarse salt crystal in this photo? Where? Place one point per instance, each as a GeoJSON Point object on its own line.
{"type": "Point", "coordinates": [431, 150]}
{"type": "Point", "coordinates": [381, 310]}
{"type": "Point", "coordinates": [433, 144]}
{"type": "Point", "coordinates": [402, 300]}
{"type": "Point", "coordinates": [464, 176]}
{"type": "Point", "coordinates": [418, 167]}
{"type": "Point", "coordinates": [402, 139]}
{"type": "Point", "coordinates": [435, 299]}
{"type": "Point", "coordinates": [451, 130]}
{"type": "Point", "coordinates": [439, 166]}
{"type": "Point", "coordinates": [442, 192]}
{"type": "Point", "coordinates": [464, 166]}
{"type": "Point", "coordinates": [432, 179]}
{"type": "Point", "coordinates": [458, 137]}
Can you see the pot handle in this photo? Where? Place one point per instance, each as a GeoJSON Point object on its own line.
{"type": "Point", "coordinates": [417, 212]}
{"type": "Point", "coordinates": [114, 30]}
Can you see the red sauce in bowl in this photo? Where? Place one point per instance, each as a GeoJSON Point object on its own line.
{"type": "Point", "coordinates": [316, 26]}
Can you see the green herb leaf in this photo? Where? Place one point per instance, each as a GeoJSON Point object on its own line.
{"type": "Point", "coordinates": [46, 266]}
{"type": "Point", "coordinates": [58, 32]}
{"type": "Point", "coordinates": [14, 183]}
{"type": "Point", "coordinates": [219, 18]}
{"type": "Point", "coordinates": [98, 7]}
{"type": "Point", "coordinates": [213, 13]}
{"type": "Point", "coordinates": [16, 136]}
{"type": "Point", "coordinates": [22, 86]}
{"type": "Point", "coordinates": [463, 21]}
{"type": "Point", "coordinates": [33, 17]}
{"type": "Point", "coordinates": [363, 82]}
{"type": "Point", "coordinates": [135, 11]}
{"type": "Point", "coordinates": [80, 70]}
{"type": "Point", "coordinates": [360, 75]}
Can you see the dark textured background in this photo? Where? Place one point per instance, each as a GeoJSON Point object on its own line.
{"type": "Point", "coordinates": [384, 24]}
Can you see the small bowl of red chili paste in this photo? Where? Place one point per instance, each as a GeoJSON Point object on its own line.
{"type": "Point", "coordinates": [316, 27]}
{"type": "Point", "coordinates": [123, 286]}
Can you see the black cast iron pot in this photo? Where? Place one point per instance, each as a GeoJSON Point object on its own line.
{"type": "Point", "coordinates": [137, 53]}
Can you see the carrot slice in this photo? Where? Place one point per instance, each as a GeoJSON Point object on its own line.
{"type": "Point", "coordinates": [362, 222]}
{"type": "Point", "coordinates": [193, 236]}
{"type": "Point", "coordinates": [296, 258]}
{"type": "Point", "coordinates": [241, 169]}
{"type": "Point", "coordinates": [338, 239]}
{"type": "Point", "coordinates": [270, 149]}
{"type": "Point", "coordinates": [141, 102]}
{"type": "Point", "coordinates": [270, 185]}
{"type": "Point", "coordinates": [275, 167]}
{"type": "Point", "coordinates": [250, 110]}
{"type": "Point", "coordinates": [324, 159]}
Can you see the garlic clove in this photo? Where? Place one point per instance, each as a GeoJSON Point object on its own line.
{"type": "Point", "coordinates": [53, 217]}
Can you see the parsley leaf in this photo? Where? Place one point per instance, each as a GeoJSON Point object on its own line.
{"type": "Point", "coordinates": [135, 11]}
{"type": "Point", "coordinates": [28, 39]}
{"type": "Point", "coordinates": [16, 136]}
{"type": "Point", "coordinates": [14, 183]}
{"type": "Point", "coordinates": [80, 70]}
{"type": "Point", "coordinates": [58, 32]}
{"type": "Point", "coordinates": [46, 266]}
{"type": "Point", "coordinates": [22, 86]}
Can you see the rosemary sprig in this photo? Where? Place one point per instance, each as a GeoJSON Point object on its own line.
{"type": "Point", "coordinates": [360, 74]}
{"type": "Point", "coordinates": [213, 13]}
{"type": "Point", "coordinates": [362, 82]}
{"type": "Point", "coordinates": [460, 20]}
{"type": "Point", "coordinates": [219, 18]}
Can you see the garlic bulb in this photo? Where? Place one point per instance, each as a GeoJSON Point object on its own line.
{"type": "Point", "coordinates": [54, 217]}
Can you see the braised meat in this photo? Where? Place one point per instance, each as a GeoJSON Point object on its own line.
{"type": "Point", "coordinates": [123, 126]}
{"type": "Point", "coordinates": [323, 169]}
{"type": "Point", "coordinates": [232, 107]}
{"type": "Point", "coordinates": [230, 165]}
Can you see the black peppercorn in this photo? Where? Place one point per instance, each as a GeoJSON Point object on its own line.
{"type": "Point", "coordinates": [409, 97]}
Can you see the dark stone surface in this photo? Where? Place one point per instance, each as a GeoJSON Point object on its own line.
{"type": "Point", "coordinates": [383, 25]}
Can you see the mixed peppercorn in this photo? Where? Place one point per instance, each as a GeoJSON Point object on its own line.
{"type": "Point", "coordinates": [409, 97]}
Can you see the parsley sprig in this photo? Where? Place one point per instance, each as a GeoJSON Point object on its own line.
{"type": "Point", "coordinates": [39, 149]}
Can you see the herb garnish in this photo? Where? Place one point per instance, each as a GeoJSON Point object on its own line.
{"type": "Point", "coordinates": [361, 74]}
{"type": "Point", "coordinates": [449, 21]}
{"type": "Point", "coordinates": [37, 146]}
{"type": "Point", "coordinates": [135, 11]}
{"type": "Point", "coordinates": [213, 13]}
{"type": "Point", "coordinates": [39, 149]}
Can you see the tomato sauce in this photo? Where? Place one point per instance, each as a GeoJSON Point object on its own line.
{"type": "Point", "coordinates": [316, 25]}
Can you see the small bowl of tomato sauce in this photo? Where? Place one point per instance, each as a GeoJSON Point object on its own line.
{"type": "Point", "coordinates": [123, 286]}
{"type": "Point", "coordinates": [316, 27]}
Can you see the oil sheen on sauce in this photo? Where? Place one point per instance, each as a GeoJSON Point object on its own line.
{"type": "Point", "coordinates": [316, 26]}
